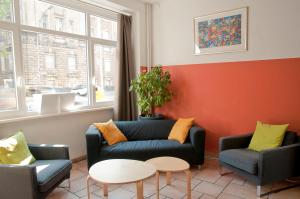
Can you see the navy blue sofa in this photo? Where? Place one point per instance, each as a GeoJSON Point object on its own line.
{"type": "Point", "coordinates": [146, 139]}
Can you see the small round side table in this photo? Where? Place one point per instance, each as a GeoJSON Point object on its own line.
{"type": "Point", "coordinates": [168, 165]}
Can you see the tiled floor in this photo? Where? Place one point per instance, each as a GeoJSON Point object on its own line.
{"type": "Point", "coordinates": [206, 184]}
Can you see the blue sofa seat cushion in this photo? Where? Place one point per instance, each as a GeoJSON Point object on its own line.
{"type": "Point", "coordinates": [244, 159]}
{"type": "Point", "coordinates": [143, 150]}
{"type": "Point", "coordinates": [50, 172]}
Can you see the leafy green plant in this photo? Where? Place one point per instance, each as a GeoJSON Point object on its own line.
{"type": "Point", "coordinates": [152, 89]}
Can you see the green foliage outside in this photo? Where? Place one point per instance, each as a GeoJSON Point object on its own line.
{"type": "Point", "coordinates": [152, 89]}
{"type": "Point", "coordinates": [5, 8]}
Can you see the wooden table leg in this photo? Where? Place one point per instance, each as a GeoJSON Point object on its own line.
{"type": "Point", "coordinates": [168, 178]}
{"type": "Point", "coordinates": [157, 184]}
{"type": "Point", "coordinates": [105, 189]}
{"type": "Point", "coordinates": [88, 186]}
{"type": "Point", "coordinates": [188, 184]}
{"type": "Point", "coordinates": [140, 190]}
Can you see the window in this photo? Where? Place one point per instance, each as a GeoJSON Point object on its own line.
{"type": "Point", "coordinates": [33, 10]}
{"type": "Point", "coordinates": [6, 10]}
{"type": "Point", "coordinates": [8, 100]}
{"type": "Point", "coordinates": [105, 62]}
{"type": "Point", "coordinates": [103, 28]}
{"type": "Point", "coordinates": [72, 62]}
{"type": "Point", "coordinates": [44, 21]}
{"type": "Point", "coordinates": [58, 24]}
{"type": "Point", "coordinates": [50, 61]}
{"type": "Point", "coordinates": [59, 51]}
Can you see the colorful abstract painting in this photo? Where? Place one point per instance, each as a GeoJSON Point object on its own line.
{"type": "Point", "coordinates": [222, 32]}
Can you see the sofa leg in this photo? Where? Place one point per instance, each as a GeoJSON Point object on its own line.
{"type": "Point", "coordinates": [199, 166]}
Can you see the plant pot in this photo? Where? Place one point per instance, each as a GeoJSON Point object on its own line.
{"type": "Point", "coordinates": [154, 117]}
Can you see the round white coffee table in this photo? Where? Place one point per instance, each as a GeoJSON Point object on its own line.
{"type": "Point", "coordinates": [120, 171]}
{"type": "Point", "coordinates": [169, 165]}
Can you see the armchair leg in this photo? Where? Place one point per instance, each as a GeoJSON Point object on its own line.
{"type": "Point", "coordinates": [68, 186]}
{"type": "Point", "coordinates": [260, 194]}
{"type": "Point", "coordinates": [69, 183]}
{"type": "Point", "coordinates": [224, 173]}
{"type": "Point", "coordinates": [258, 191]}
{"type": "Point", "coordinates": [199, 166]}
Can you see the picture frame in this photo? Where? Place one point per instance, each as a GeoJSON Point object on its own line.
{"type": "Point", "coordinates": [221, 32]}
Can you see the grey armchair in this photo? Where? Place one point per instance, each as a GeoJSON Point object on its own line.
{"type": "Point", "coordinates": [263, 167]}
{"type": "Point", "coordinates": [37, 180]}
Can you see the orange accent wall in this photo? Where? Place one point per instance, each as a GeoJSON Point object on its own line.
{"type": "Point", "coordinates": [228, 98]}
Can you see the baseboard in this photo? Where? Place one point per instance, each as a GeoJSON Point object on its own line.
{"type": "Point", "coordinates": [211, 155]}
{"type": "Point", "coordinates": [78, 159]}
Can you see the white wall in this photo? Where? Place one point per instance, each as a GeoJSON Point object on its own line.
{"type": "Point", "coordinates": [274, 29]}
{"type": "Point", "coordinates": [65, 129]}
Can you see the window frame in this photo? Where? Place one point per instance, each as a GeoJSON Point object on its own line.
{"type": "Point", "coordinates": [16, 28]}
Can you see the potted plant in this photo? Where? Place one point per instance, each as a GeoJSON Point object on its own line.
{"type": "Point", "coordinates": [152, 89]}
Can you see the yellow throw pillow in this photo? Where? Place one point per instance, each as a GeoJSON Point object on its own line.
{"type": "Point", "coordinates": [111, 133]}
{"type": "Point", "coordinates": [181, 129]}
{"type": "Point", "coordinates": [267, 136]}
{"type": "Point", "coordinates": [14, 150]}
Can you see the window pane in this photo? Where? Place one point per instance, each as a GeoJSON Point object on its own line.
{"type": "Point", "coordinates": [6, 13]}
{"type": "Point", "coordinates": [47, 67]}
{"type": "Point", "coordinates": [49, 16]}
{"type": "Point", "coordinates": [8, 100]}
{"type": "Point", "coordinates": [105, 64]}
{"type": "Point", "coordinates": [103, 28]}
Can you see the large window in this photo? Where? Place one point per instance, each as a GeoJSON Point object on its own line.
{"type": "Point", "coordinates": [61, 51]}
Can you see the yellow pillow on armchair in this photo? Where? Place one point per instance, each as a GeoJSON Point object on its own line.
{"type": "Point", "coordinates": [111, 133]}
{"type": "Point", "coordinates": [181, 129]}
{"type": "Point", "coordinates": [267, 136]}
{"type": "Point", "coordinates": [14, 150]}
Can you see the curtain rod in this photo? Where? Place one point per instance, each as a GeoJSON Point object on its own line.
{"type": "Point", "coordinates": [92, 3]}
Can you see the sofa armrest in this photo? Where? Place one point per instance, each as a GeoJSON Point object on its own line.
{"type": "Point", "coordinates": [279, 163]}
{"type": "Point", "coordinates": [18, 181]}
{"type": "Point", "coordinates": [234, 142]}
{"type": "Point", "coordinates": [49, 152]}
{"type": "Point", "coordinates": [197, 137]}
{"type": "Point", "coordinates": [93, 143]}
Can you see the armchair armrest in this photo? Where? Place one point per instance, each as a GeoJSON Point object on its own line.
{"type": "Point", "coordinates": [234, 142]}
{"type": "Point", "coordinates": [49, 152]}
{"type": "Point", "coordinates": [197, 137]}
{"type": "Point", "coordinates": [93, 143]}
{"type": "Point", "coordinates": [285, 159]}
{"type": "Point", "coordinates": [18, 181]}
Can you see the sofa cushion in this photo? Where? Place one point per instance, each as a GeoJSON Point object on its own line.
{"type": "Point", "coordinates": [144, 150]}
{"type": "Point", "coordinates": [146, 130]}
{"type": "Point", "coordinates": [50, 172]}
{"type": "Point", "coordinates": [243, 159]}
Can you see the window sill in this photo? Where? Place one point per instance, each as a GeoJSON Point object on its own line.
{"type": "Point", "coordinates": [32, 116]}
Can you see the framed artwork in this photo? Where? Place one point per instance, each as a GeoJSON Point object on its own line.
{"type": "Point", "coordinates": [221, 32]}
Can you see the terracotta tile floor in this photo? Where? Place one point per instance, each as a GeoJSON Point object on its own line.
{"type": "Point", "coordinates": [206, 184]}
